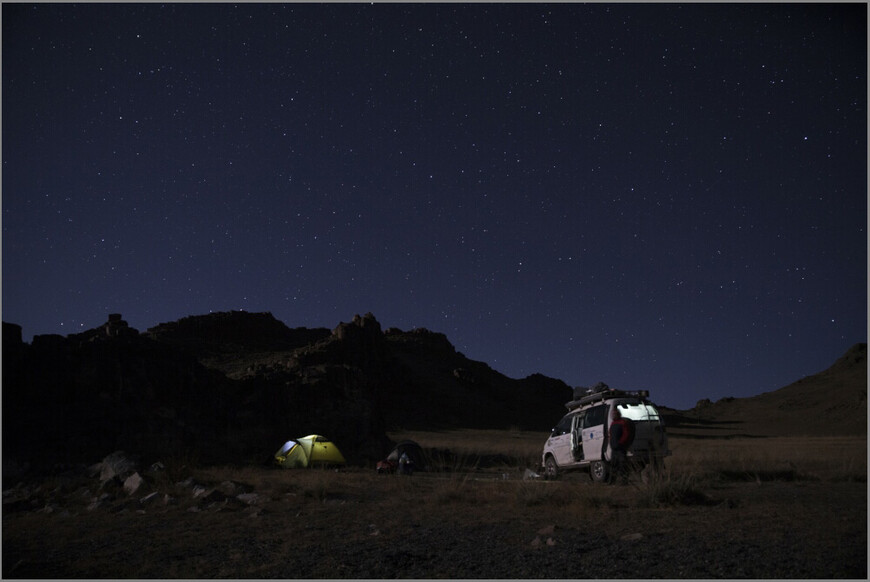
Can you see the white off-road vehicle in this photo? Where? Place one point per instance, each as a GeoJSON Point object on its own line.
{"type": "Point", "coordinates": [580, 440]}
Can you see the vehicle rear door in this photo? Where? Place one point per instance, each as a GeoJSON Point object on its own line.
{"type": "Point", "coordinates": [649, 432]}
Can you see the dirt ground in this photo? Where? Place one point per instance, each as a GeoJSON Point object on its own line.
{"type": "Point", "coordinates": [356, 524]}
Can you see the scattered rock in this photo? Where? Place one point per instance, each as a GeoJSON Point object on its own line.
{"type": "Point", "coordinates": [228, 504]}
{"type": "Point", "coordinates": [117, 464]}
{"type": "Point", "coordinates": [232, 489]}
{"type": "Point", "coordinates": [133, 483]}
{"type": "Point", "coordinates": [49, 508]}
{"type": "Point", "coordinates": [18, 499]}
{"type": "Point", "coordinates": [112, 485]}
{"type": "Point", "coordinates": [228, 488]}
{"type": "Point", "coordinates": [212, 496]}
{"type": "Point", "coordinates": [249, 498]}
{"type": "Point", "coordinates": [149, 498]}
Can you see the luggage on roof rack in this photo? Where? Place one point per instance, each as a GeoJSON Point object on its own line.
{"type": "Point", "coordinates": [604, 394]}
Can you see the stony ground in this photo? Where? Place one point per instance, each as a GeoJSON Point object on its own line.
{"type": "Point", "coordinates": [266, 523]}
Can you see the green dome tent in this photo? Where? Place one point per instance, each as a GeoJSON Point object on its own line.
{"type": "Point", "coordinates": [309, 450]}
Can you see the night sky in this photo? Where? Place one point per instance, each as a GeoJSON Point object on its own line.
{"type": "Point", "coordinates": [660, 196]}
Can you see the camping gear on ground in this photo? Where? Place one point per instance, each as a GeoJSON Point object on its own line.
{"type": "Point", "coordinates": [414, 456]}
{"type": "Point", "coordinates": [309, 450]}
{"type": "Point", "coordinates": [386, 466]}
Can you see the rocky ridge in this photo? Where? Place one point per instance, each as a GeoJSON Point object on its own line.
{"type": "Point", "coordinates": [233, 386]}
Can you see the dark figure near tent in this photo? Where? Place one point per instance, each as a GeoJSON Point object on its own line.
{"type": "Point", "coordinates": [413, 451]}
{"type": "Point", "coordinates": [406, 465]}
{"type": "Point", "coordinates": [410, 451]}
{"type": "Point", "coordinates": [621, 437]}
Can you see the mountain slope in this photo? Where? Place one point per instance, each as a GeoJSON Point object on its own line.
{"type": "Point", "coordinates": [832, 402]}
{"type": "Point", "coordinates": [438, 387]}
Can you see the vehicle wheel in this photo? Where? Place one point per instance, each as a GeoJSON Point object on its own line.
{"type": "Point", "coordinates": [599, 471]}
{"type": "Point", "coordinates": [551, 469]}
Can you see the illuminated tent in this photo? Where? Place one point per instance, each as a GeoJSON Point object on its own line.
{"type": "Point", "coordinates": [309, 450]}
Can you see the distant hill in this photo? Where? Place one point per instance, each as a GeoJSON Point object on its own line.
{"type": "Point", "coordinates": [832, 402]}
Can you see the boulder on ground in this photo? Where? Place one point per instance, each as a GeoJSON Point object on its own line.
{"type": "Point", "coordinates": [133, 483]}
{"type": "Point", "coordinates": [117, 464]}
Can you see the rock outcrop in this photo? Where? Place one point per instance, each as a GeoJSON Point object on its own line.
{"type": "Point", "coordinates": [233, 386]}
{"type": "Point", "coordinates": [71, 398]}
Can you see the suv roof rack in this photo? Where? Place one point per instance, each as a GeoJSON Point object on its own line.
{"type": "Point", "coordinates": [604, 394]}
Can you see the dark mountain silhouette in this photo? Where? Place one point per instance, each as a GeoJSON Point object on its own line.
{"type": "Point", "coordinates": [67, 399]}
{"type": "Point", "coordinates": [227, 340]}
{"type": "Point", "coordinates": [235, 385]}
{"type": "Point", "coordinates": [232, 386]}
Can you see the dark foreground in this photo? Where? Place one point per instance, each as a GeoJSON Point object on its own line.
{"type": "Point", "coordinates": [352, 524]}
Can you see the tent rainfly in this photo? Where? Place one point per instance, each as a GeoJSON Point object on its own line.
{"type": "Point", "coordinates": [309, 450]}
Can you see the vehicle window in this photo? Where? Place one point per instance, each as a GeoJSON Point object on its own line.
{"type": "Point", "coordinates": [595, 416]}
{"type": "Point", "coordinates": [564, 426]}
{"type": "Point", "coordinates": [638, 411]}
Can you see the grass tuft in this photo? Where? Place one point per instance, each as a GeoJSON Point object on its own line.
{"type": "Point", "coordinates": [672, 490]}
{"type": "Point", "coordinates": [533, 493]}
{"type": "Point", "coordinates": [455, 490]}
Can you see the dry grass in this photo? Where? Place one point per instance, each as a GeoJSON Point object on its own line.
{"type": "Point", "coordinates": [768, 487]}
{"type": "Point", "coordinates": [693, 474]}
{"type": "Point", "coordinates": [511, 449]}
{"type": "Point", "coordinates": [784, 458]}
{"type": "Point", "coordinates": [696, 466]}
{"type": "Point", "coordinates": [478, 440]}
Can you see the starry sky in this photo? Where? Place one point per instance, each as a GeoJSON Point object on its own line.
{"type": "Point", "coordinates": [661, 196]}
